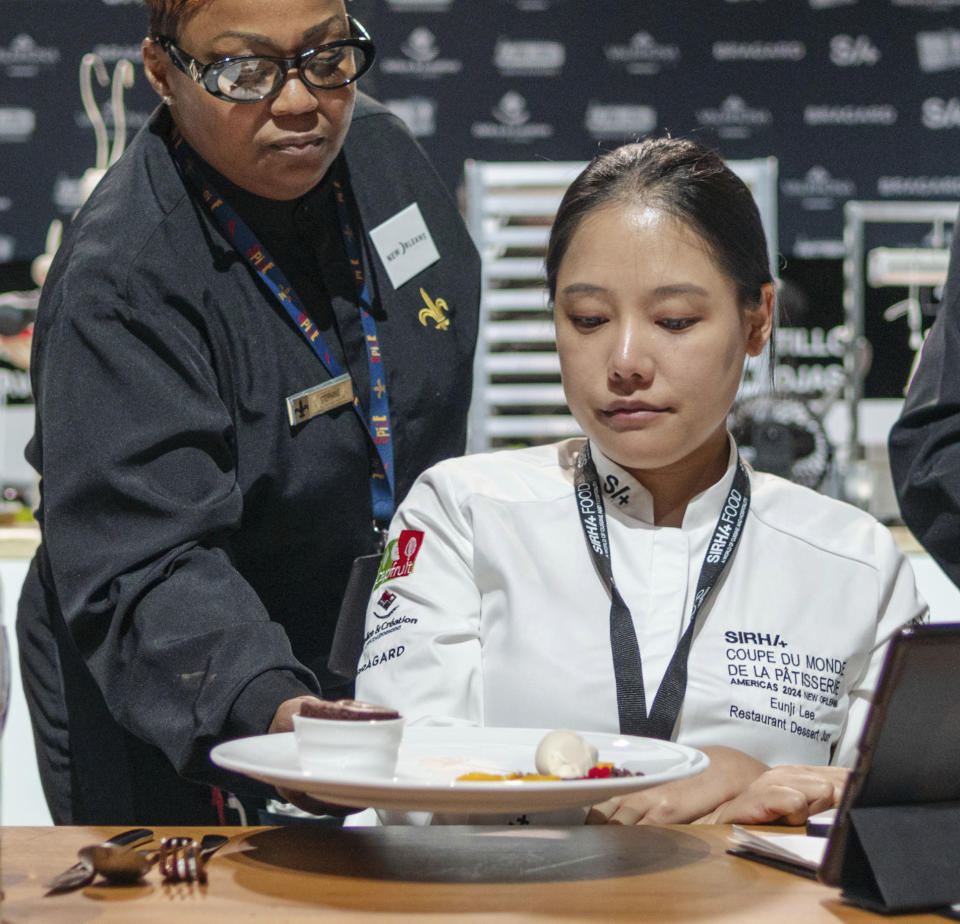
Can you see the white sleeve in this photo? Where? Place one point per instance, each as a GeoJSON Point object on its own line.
{"type": "Point", "coordinates": [421, 649]}
{"type": "Point", "coordinates": [899, 605]}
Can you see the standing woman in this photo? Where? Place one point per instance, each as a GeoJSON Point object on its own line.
{"type": "Point", "coordinates": [645, 579]}
{"type": "Point", "coordinates": [235, 380]}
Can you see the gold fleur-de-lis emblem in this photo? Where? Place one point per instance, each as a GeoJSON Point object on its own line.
{"type": "Point", "coordinates": [434, 311]}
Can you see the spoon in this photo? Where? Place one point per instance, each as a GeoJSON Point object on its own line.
{"type": "Point", "coordinates": [126, 865]}
{"type": "Point", "coordinates": [118, 864]}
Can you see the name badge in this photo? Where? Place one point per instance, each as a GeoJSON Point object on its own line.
{"type": "Point", "coordinates": [404, 245]}
{"type": "Point", "coordinates": [318, 400]}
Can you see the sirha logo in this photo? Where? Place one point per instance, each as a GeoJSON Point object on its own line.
{"type": "Point", "coordinates": [399, 556]}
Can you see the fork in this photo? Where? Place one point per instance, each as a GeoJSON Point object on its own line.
{"type": "Point", "coordinates": [182, 859]}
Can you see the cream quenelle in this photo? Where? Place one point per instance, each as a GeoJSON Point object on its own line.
{"type": "Point", "coordinates": [566, 754]}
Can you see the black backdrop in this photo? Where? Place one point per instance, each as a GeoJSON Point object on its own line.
{"type": "Point", "coordinates": [859, 99]}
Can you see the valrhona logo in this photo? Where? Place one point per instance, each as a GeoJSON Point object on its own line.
{"type": "Point", "coordinates": [399, 556]}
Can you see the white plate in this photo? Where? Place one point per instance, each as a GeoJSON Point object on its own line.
{"type": "Point", "coordinates": [431, 758]}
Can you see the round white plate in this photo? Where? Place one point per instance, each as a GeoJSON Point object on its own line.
{"type": "Point", "coordinates": [432, 757]}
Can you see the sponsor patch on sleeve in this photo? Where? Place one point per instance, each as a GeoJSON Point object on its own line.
{"type": "Point", "coordinates": [399, 556]}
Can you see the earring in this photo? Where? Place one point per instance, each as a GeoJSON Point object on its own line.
{"type": "Point", "coordinates": [167, 100]}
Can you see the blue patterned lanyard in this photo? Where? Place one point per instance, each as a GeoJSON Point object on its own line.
{"type": "Point", "coordinates": [246, 243]}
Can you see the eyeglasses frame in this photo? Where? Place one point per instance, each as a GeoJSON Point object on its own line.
{"type": "Point", "coordinates": [202, 73]}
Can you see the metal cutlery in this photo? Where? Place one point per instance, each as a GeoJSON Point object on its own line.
{"type": "Point", "coordinates": [182, 859]}
{"type": "Point", "coordinates": [83, 872]}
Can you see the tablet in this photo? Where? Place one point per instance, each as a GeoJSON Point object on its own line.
{"type": "Point", "coordinates": [909, 751]}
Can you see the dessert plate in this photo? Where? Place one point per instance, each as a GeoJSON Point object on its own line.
{"type": "Point", "coordinates": [432, 757]}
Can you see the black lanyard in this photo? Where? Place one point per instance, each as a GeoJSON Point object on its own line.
{"type": "Point", "coordinates": [627, 664]}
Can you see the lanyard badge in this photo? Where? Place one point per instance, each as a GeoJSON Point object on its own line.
{"type": "Point", "coordinates": [339, 390]}
{"type": "Point", "coordinates": [627, 663]}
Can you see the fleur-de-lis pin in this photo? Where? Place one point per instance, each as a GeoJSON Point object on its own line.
{"type": "Point", "coordinates": [434, 311]}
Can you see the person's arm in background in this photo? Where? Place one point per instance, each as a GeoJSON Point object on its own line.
{"type": "Point", "coordinates": [925, 442]}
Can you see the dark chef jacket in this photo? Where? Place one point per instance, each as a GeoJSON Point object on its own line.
{"type": "Point", "coordinates": [925, 441]}
{"type": "Point", "coordinates": [196, 546]}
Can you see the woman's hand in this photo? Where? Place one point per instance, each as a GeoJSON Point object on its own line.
{"type": "Point", "coordinates": [683, 801]}
{"type": "Point", "coordinates": [786, 794]}
{"type": "Point", "coordinates": [283, 722]}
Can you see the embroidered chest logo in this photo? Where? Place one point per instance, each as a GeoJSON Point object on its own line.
{"type": "Point", "coordinates": [434, 312]}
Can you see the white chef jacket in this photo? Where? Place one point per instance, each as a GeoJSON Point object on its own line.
{"type": "Point", "coordinates": [488, 609]}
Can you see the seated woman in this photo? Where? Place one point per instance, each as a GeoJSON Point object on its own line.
{"type": "Point", "coordinates": [645, 579]}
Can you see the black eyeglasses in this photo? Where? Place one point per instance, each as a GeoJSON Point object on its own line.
{"type": "Point", "coordinates": [251, 78]}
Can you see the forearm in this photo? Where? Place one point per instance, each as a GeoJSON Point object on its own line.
{"type": "Point", "coordinates": [684, 801]}
{"type": "Point", "coordinates": [785, 794]}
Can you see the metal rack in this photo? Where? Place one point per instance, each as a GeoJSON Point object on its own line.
{"type": "Point", "coordinates": [909, 267]}
{"type": "Point", "coordinates": [517, 395]}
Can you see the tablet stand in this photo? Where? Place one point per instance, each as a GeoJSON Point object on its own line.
{"type": "Point", "coordinates": [903, 857]}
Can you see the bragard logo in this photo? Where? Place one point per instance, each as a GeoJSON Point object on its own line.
{"type": "Point", "coordinates": [919, 187]}
{"type": "Point", "coordinates": [847, 51]}
{"type": "Point", "coordinates": [423, 58]}
{"type": "Point", "coordinates": [619, 120]}
{"type": "Point", "coordinates": [786, 50]}
{"type": "Point", "coordinates": [938, 51]}
{"type": "Point", "coordinates": [17, 123]}
{"type": "Point", "coordinates": [419, 113]}
{"type": "Point", "coordinates": [644, 55]}
{"type": "Point", "coordinates": [941, 113]}
{"type": "Point", "coordinates": [513, 122]}
{"type": "Point", "coordinates": [23, 57]}
{"type": "Point", "coordinates": [876, 114]}
{"type": "Point", "coordinates": [734, 118]}
{"type": "Point", "coordinates": [533, 58]}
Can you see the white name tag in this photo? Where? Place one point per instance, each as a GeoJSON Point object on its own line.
{"type": "Point", "coordinates": [404, 245]}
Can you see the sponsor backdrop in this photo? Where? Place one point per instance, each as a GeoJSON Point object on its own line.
{"type": "Point", "coordinates": [857, 98]}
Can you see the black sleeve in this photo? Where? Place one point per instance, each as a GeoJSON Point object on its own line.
{"type": "Point", "coordinates": [139, 503]}
{"type": "Point", "coordinates": [925, 441]}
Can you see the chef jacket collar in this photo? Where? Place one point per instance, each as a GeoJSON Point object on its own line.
{"type": "Point", "coordinates": [702, 511]}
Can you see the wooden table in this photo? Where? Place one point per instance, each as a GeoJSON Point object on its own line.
{"type": "Point", "coordinates": [298, 873]}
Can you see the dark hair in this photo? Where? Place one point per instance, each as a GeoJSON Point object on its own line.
{"type": "Point", "coordinates": [166, 16]}
{"type": "Point", "coordinates": [685, 180]}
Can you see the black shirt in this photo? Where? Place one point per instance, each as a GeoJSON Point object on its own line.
{"type": "Point", "coordinates": [195, 546]}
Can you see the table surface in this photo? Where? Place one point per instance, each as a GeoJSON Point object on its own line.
{"type": "Point", "coordinates": [299, 872]}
